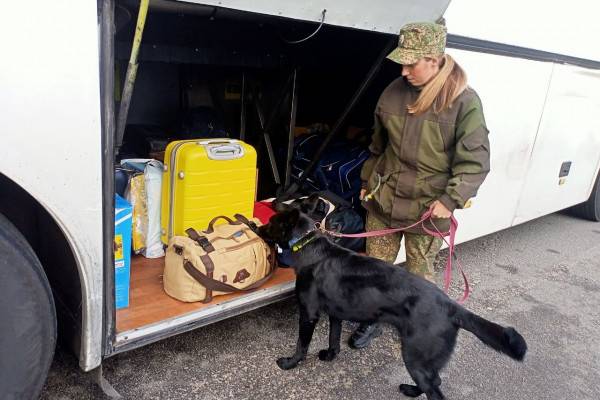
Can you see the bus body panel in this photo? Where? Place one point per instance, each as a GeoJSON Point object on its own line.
{"type": "Point", "coordinates": [513, 92]}
{"type": "Point", "coordinates": [569, 28]}
{"type": "Point", "coordinates": [569, 132]}
{"type": "Point", "coordinates": [51, 133]}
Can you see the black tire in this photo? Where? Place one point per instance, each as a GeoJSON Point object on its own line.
{"type": "Point", "coordinates": [27, 318]}
{"type": "Point", "coordinates": [590, 210]}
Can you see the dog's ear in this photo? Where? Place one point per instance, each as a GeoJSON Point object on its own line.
{"type": "Point", "coordinates": [294, 216]}
{"type": "Point", "coordinates": [280, 206]}
{"type": "Point", "coordinates": [314, 197]}
{"type": "Point", "coordinates": [309, 205]}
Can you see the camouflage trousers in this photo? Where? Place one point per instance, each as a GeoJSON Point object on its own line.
{"type": "Point", "coordinates": [421, 249]}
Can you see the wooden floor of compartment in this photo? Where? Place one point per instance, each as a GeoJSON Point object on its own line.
{"type": "Point", "coordinates": [148, 303]}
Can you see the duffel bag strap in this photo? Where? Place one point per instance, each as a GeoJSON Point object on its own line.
{"type": "Point", "coordinates": [211, 224]}
{"type": "Point", "coordinates": [251, 224]}
{"type": "Point", "coordinates": [201, 240]}
{"type": "Point", "coordinates": [213, 285]}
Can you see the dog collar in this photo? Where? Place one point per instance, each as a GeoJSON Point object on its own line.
{"type": "Point", "coordinates": [298, 243]}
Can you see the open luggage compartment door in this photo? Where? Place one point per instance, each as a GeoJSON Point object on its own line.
{"type": "Point", "coordinates": [387, 17]}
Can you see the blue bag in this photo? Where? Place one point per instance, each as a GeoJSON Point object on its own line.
{"type": "Point", "coordinates": [337, 171]}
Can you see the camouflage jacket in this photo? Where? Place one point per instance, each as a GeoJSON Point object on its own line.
{"type": "Point", "coordinates": [418, 159]}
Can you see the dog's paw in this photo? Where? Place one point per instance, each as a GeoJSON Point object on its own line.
{"type": "Point", "coordinates": [410, 390]}
{"type": "Point", "coordinates": [327, 355]}
{"type": "Point", "coordinates": [286, 363]}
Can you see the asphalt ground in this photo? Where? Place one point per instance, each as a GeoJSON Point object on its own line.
{"type": "Point", "coordinates": [542, 277]}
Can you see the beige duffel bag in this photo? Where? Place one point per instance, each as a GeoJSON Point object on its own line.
{"type": "Point", "coordinates": [223, 259]}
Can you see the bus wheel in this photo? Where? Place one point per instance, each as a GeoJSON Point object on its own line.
{"type": "Point", "coordinates": [27, 318]}
{"type": "Point", "coordinates": [590, 210]}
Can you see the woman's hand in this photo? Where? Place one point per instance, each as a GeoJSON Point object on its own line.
{"type": "Point", "coordinates": [363, 192]}
{"type": "Point", "coordinates": [438, 210]}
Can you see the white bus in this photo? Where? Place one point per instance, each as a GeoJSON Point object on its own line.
{"type": "Point", "coordinates": [536, 68]}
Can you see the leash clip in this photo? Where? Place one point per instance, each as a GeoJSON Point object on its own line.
{"type": "Point", "coordinates": [371, 194]}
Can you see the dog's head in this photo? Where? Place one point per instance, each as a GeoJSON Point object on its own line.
{"type": "Point", "coordinates": [287, 224]}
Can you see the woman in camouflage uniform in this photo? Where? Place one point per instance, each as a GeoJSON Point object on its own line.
{"type": "Point", "coordinates": [429, 150]}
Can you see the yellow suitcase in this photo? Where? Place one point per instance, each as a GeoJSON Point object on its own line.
{"type": "Point", "coordinates": [204, 178]}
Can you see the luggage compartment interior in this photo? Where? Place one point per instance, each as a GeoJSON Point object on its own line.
{"type": "Point", "coordinates": [148, 303]}
{"type": "Point", "coordinates": [196, 64]}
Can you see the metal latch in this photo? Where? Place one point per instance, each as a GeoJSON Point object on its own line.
{"type": "Point", "coordinates": [565, 168]}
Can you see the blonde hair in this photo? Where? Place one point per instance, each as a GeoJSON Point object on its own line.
{"type": "Point", "coordinates": [442, 89]}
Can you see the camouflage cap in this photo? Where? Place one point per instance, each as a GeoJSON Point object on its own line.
{"type": "Point", "coordinates": [417, 40]}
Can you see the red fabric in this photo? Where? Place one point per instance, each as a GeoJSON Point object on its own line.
{"type": "Point", "coordinates": [263, 211]}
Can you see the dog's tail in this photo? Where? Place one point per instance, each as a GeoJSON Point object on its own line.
{"type": "Point", "coordinates": [506, 340]}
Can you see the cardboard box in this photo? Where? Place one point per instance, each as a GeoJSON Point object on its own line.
{"type": "Point", "coordinates": [122, 248]}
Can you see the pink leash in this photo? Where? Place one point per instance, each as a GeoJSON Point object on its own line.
{"type": "Point", "coordinates": [452, 254]}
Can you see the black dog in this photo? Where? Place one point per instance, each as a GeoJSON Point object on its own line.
{"type": "Point", "coordinates": [349, 286]}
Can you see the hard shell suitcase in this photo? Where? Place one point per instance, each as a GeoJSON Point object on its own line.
{"type": "Point", "coordinates": [203, 179]}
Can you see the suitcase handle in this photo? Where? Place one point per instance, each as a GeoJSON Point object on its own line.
{"type": "Point", "coordinates": [217, 141]}
{"type": "Point", "coordinates": [228, 149]}
{"type": "Point", "coordinates": [226, 152]}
